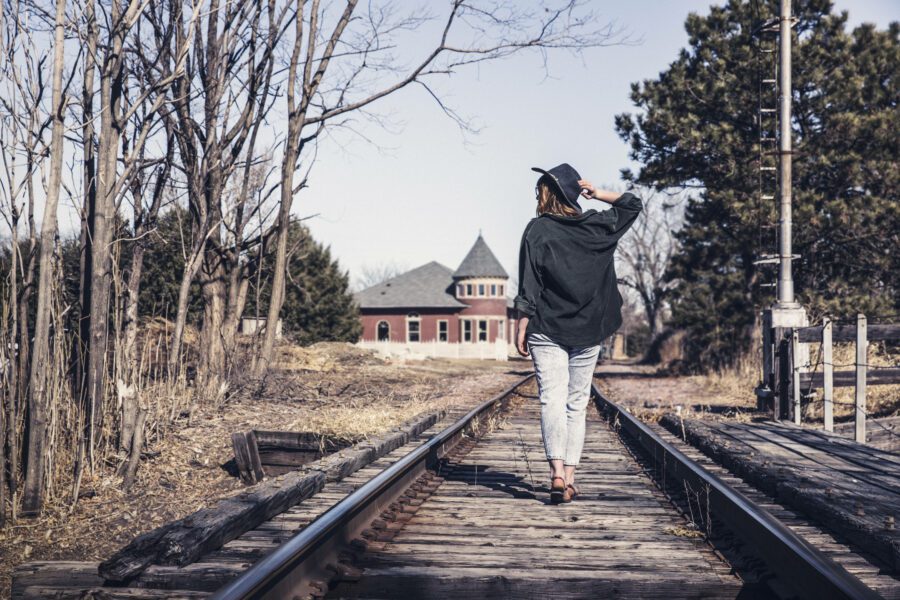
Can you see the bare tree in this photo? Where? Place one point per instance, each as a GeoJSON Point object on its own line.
{"type": "Point", "coordinates": [647, 251]}
{"type": "Point", "coordinates": [370, 275]}
{"type": "Point", "coordinates": [337, 55]}
{"type": "Point", "coordinates": [219, 160]}
{"type": "Point", "coordinates": [38, 407]}
{"type": "Point", "coordinates": [129, 106]}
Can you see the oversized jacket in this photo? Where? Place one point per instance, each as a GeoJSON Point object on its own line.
{"type": "Point", "coordinates": [567, 276]}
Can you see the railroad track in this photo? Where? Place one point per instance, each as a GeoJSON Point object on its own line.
{"type": "Point", "coordinates": [466, 513]}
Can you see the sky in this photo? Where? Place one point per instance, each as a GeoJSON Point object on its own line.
{"type": "Point", "coordinates": [421, 190]}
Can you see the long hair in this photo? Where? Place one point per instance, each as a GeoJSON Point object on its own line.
{"type": "Point", "coordinates": [549, 203]}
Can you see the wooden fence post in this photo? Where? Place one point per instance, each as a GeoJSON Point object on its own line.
{"type": "Point", "coordinates": [795, 374]}
{"type": "Point", "coordinates": [827, 374]}
{"type": "Point", "coordinates": [862, 346]}
{"type": "Point", "coordinates": [780, 365]}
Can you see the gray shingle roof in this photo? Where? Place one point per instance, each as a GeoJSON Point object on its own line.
{"type": "Point", "coordinates": [480, 262]}
{"type": "Point", "coordinates": [428, 286]}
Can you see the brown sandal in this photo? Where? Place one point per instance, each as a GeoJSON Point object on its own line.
{"type": "Point", "coordinates": [557, 492]}
{"type": "Point", "coordinates": [571, 493]}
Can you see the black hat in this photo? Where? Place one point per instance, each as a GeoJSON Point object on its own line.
{"type": "Point", "coordinates": [565, 178]}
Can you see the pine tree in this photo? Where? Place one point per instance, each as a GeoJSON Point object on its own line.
{"type": "Point", "coordinates": [318, 305]}
{"type": "Point", "coordinates": [697, 128]}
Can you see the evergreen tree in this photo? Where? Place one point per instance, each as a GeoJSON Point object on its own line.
{"type": "Point", "coordinates": [697, 128]}
{"type": "Point", "coordinates": [318, 305]}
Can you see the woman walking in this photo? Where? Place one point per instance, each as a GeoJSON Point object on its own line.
{"type": "Point", "coordinates": [571, 303]}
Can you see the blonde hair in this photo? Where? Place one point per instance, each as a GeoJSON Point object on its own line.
{"type": "Point", "coordinates": [549, 202]}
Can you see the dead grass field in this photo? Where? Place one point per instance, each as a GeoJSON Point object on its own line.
{"type": "Point", "coordinates": [334, 389]}
{"type": "Point", "coordinates": [730, 393]}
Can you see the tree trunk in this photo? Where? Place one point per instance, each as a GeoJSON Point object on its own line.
{"type": "Point", "coordinates": [88, 211]}
{"type": "Point", "coordinates": [184, 295]}
{"type": "Point", "coordinates": [129, 342]}
{"type": "Point", "coordinates": [279, 272]}
{"type": "Point", "coordinates": [39, 404]}
{"type": "Point", "coordinates": [103, 223]}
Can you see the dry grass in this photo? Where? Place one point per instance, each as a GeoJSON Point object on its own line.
{"type": "Point", "coordinates": [736, 384]}
{"type": "Point", "coordinates": [881, 400]}
{"type": "Point", "coordinates": [327, 389]}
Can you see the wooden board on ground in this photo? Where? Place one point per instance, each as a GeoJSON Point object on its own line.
{"type": "Point", "coordinates": [852, 489]}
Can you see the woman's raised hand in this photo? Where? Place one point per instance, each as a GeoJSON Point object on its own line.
{"type": "Point", "coordinates": [587, 188]}
{"type": "Point", "coordinates": [589, 191]}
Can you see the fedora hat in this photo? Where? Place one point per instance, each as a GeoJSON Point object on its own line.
{"type": "Point", "coordinates": [564, 178]}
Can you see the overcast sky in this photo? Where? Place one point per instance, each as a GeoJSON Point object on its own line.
{"type": "Point", "coordinates": [423, 191]}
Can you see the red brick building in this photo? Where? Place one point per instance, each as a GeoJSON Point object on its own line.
{"type": "Point", "coordinates": [435, 311]}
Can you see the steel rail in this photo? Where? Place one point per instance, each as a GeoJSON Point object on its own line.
{"type": "Point", "coordinates": [289, 570]}
{"type": "Point", "coordinates": [795, 561]}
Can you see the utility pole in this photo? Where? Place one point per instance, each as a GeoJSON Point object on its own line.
{"type": "Point", "coordinates": [785, 163]}
{"type": "Point", "coordinates": [786, 311]}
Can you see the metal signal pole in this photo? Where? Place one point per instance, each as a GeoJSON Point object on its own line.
{"type": "Point", "coordinates": [786, 312]}
{"type": "Point", "coordinates": [785, 273]}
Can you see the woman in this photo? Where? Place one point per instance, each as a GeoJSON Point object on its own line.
{"type": "Point", "coordinates": [570, 302]}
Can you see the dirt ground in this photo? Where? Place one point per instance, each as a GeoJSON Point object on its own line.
{"type": "Point", "coordinates": [329, 389]}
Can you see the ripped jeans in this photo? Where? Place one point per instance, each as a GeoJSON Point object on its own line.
{"type": "Point", "coordinates": [564, 377]}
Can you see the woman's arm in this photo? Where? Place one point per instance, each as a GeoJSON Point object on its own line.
{"type": "Point", "coordinates": [529, 290]}
{"type": "Point", "coordinates": [521, 327]}
{"type": "Point", "coordinates": [625, 207]}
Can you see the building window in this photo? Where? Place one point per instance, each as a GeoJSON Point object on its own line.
{"type": "Point", "coordinates": [460, 289]}
{"type": "Point", "coordinates": [501, 289]}
{"type": "Point", "coordinates": [493, 289]}
{"type": "Point", "coordinates": [481, 289]}
{"type": "Point", "coordinates": [466, 330]}
{"type": "Point", "coordinates": [468, 289]}
{"type": "Point", "coordinates": [443, 331]}
{"type": "Point", "coordinates": [384, 331]}
{"type": "Point", "coordinates": [482, 331]}
{"type": "Point", "coordinates": [501, 331]}
{"type": "Point", "coordinates": [412, 327]}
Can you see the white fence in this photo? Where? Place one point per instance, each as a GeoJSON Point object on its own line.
{"type": "Point", "coordinates": [498, 350]}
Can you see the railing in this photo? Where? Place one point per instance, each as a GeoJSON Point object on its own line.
{"type": "Point", "coordinates": [797, 374]}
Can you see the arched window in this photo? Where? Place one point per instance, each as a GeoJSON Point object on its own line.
{"type": "Point", "coordinates": [384, 331]}
{"type": "Point", "coordinates": [413, 325]}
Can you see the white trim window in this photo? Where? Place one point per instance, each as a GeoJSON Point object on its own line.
{"type": "Point", "coordinates": [466, 325]}
{"type": "Point", "coordinates": [383, 331]}
{"type": "Point", "coordinates": [501, 330]}
{"type": "Point", "coordinates": [482, 330]}
{"type": "Point", "coordinates": [413, 327]}
{"type": "Point", "coordinates": [443, 330]}
{"type": "Point", "coordinates": [460, 290]}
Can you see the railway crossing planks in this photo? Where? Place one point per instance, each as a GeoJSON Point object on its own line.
{"type": "Point", "coordinates": [489, 530]}
{"type": "Point", "coordinates": [849, 488]}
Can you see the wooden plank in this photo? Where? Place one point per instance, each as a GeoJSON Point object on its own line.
{"type": "Point", "coordinates": [82, 593]}
{"type": "Point", "coordinates": [795, 376]}
{"type": "Point", "coordinates": [422, 582]}
{"type": "Point", "coordinates": [887, 376]}
{"type": "Point", "coordinates": [185, 540]}
{"type": "Point", "coordinates": [255, 464]}
{"type": "Point", "coordinates": [44, 573]}
{"type": "Point", "coordinates": [847, 333]}
{"type": "Point", "coordinates": [828, 374]}
{"type": "Point", "coordinates": [791, 481]}
{"type": "Point", "coordinates": [299, 440]}
{"type": "Point", "coordinates": [242, 457]}
{"type": "Point", "coordinates": [862, 352]}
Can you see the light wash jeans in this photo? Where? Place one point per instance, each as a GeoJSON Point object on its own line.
{"type": "Point", "coordinates": [564, 384]}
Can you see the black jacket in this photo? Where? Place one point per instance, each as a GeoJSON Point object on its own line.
{"type": "Point", "coordinates": [567, 279]}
